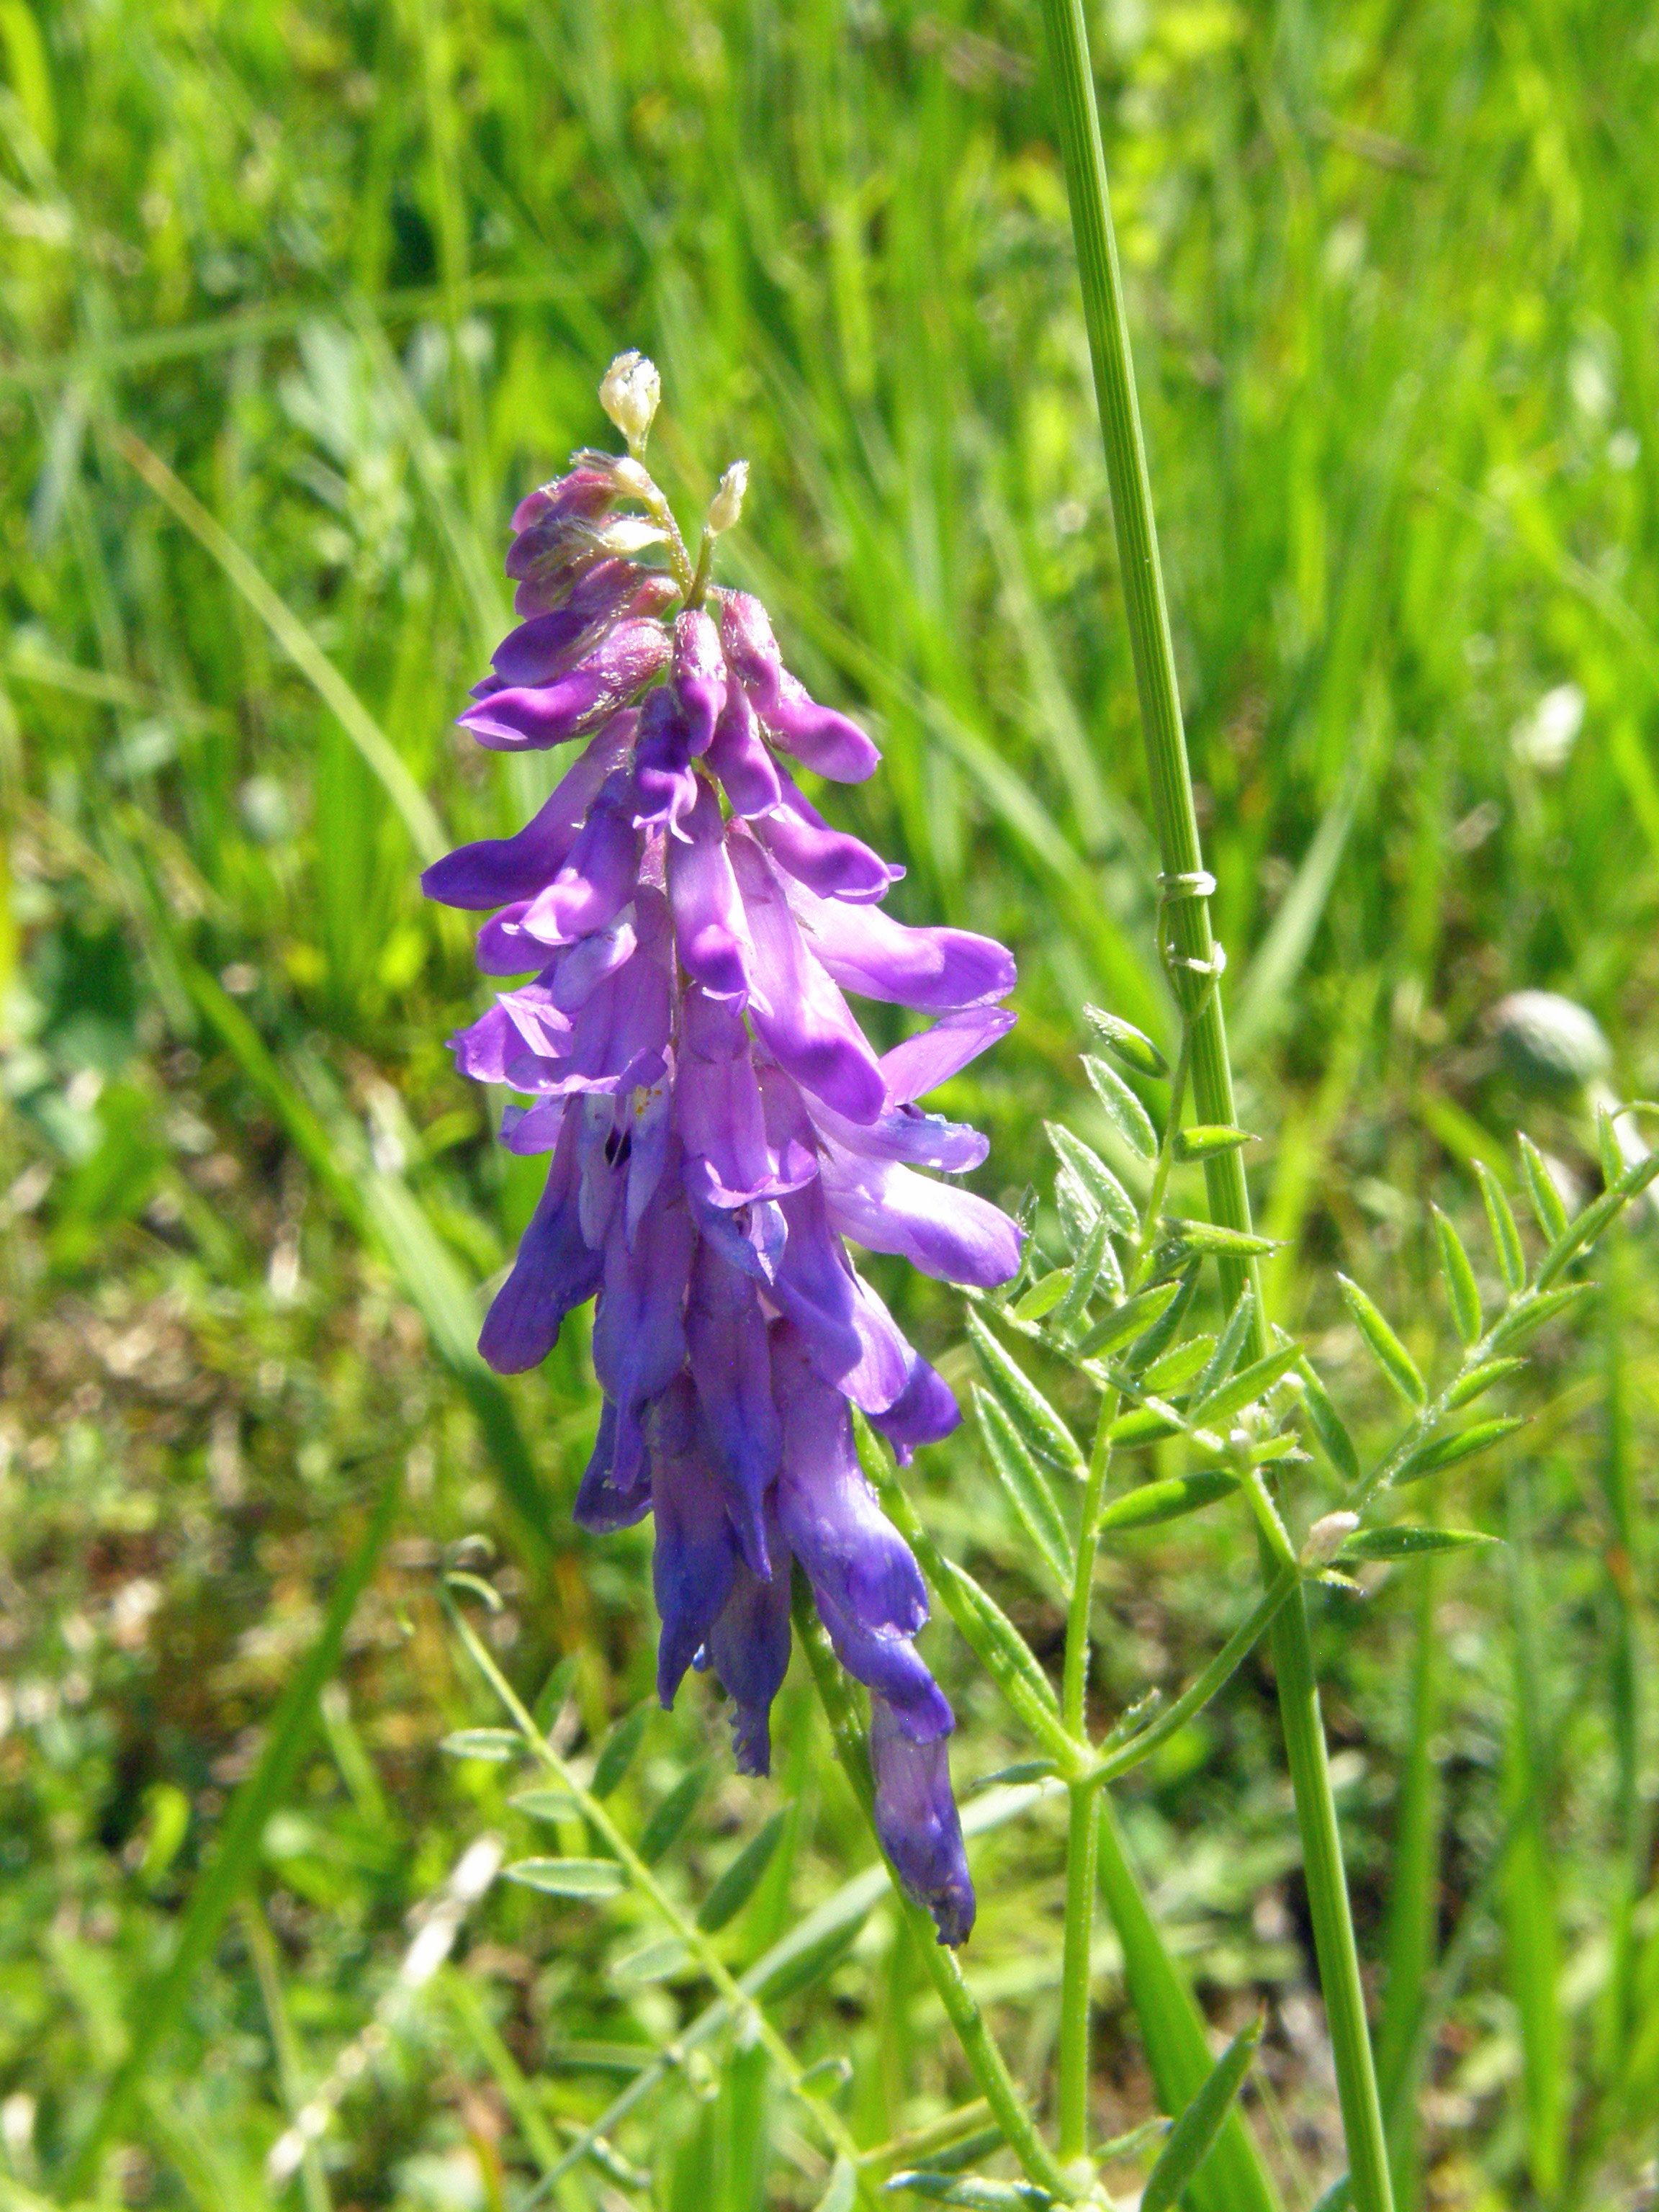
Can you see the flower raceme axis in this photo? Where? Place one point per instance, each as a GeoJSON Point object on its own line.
{"type": "Point", "coordinates": [715, 1120]}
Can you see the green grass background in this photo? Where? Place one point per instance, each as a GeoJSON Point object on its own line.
{"type": "Point", "coordinates": [352, 273]}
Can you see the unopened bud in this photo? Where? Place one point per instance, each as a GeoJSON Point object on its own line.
{"type": "Point", "coordinates": [629, 394]}
{"type": "Point", "coordinates": [726, 505]}
{"type": "Point", "coordinates": [1327, 1537]}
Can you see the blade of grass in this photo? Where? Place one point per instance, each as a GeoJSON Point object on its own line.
{"type": "Point", "coordinates": [1414, 1883]}
{"type": "Point", "coordinates": [1532, 1952]}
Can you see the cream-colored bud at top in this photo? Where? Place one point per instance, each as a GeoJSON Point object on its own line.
{"type": "Point", "coordinates": [726, 505]}
{"type": "Point", "coordinates": [629, 394]}
{"type": "Point", "coordinates": [1327, 1537]}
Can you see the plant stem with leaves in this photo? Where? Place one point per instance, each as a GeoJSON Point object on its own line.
{"type": "Point", "coordinates": [1195, 954]}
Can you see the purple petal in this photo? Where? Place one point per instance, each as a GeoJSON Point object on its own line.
{"type": "Point", "coordinates": [639, 1334]}
{"type": "Point", "coordinates": [554, 1271]}
{"type": "Point", "coordinates": [921, 1063]}
{"type": "Point", "coordinates": [795, 1008]}
{"type": "Point", "coordinates": [926, 1412]}
{"type": "Point", "coordinates": [649, 1110]}
{"type": "Point", "coordinates": [851, 1339]}
{"type": "Point", "coordinates": [866, 951]}
{"type": "Point", "coordinates": [499, 870]}
{"type": "Point", "coordinates": [597, 879]}
{"type": "Point", "coordinates": [826, 741]}
{"type": "Point", "coordinates": [664, 784]}
{"type": "Point", "coordinates": [827, 861]}
{"type": "Point", "coordinates": [695, 1558]}
{"type": "Point", "coordinates": [583, 493]}
{"type": "Point", "coordinates": [527, 1130]}
{"type": "Point", "coordinates": [546, 647]}
{"type": "Point", "coordinates": [748, 1649]}
{"type": "Point", "coordinates": [917, 1822]}
{"type": "Point", "coordinates": [890, 1667]}
{"type": "Point", "coordinates": [738, 755]}
{"type": "Point", "coordinates": [699, 677]}
{"type": "Point", "coordinates": [906, 1133]}
{"type": "Point", "coordinates": [732, 1369]}
{"type": "Point", "coordinates": [523, 717]}
{"type": "Point", "coordinates": [503, 948]}
{"type": "Point", "coordinates": [599, 1507]}
{"type": "Point", "coordinates": [720, 1116]}
{"type": "Point", "coordinates": [709, 928]}
{"type": "Point", "coordinates": [944, 1231]}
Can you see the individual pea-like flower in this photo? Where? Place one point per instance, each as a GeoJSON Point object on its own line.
{"type": "Point", "coordinates": [715, 1121]}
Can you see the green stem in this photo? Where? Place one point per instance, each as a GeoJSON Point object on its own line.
{"type": "Point", "coordinates": [1085, 1822]}
{"type": "Point", "coordinates": [1193, 950]}
{"type": "Point", "coordinates": [962, 2007]}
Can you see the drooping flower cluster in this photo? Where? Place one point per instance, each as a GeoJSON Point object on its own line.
{"type": "Point", "coordinates": [716, 1120]}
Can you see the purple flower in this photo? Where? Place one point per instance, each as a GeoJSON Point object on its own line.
{"type": "Point", "coordinates": [717, 1124]}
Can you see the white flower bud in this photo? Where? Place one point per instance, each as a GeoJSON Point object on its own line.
{"type": "Point", "coordinates": [629, 394]}
{"type": "Point", "coordinates": [726, 505]}
{"type": "Point", "coordinates": [1327, 1537]}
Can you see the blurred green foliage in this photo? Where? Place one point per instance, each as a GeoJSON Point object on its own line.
{"type": "Point", "coordinates": [351, 273]}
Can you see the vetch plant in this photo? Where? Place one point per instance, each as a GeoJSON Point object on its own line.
{"type": "Point", "coordinates": [716, 1122]}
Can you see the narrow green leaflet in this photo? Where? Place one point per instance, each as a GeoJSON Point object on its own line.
{"type": "Point", "coordinates": [1202, 1141]}
{"type": "Point", "coordinates": [1177, 1368]}
{"type": "Point", "coordinates": [495, 1743]}
{"type": "Point", "coordinates": [1390, 1354]}
{"type": "Point", "coordinates": [651, 1962]}
{"type": "Point", "coordinates": [971, 2189]}
{"type": "Point", "coordinates": [741, 1879]}
{"type": "Point", "coordinates": [1606, 1146]}
{"type": "Point", "coordinates": [1462, 1292]}
{"type": "Point", "coordinates": [545, 1805]}
{"type": "Point", "coordinates": [1251, 1383]}
{"type": "Point", "coordinates": [1411, 1543]}
{"type": "Point", "coordinates": [1527, 1319]}
{"type": "Point", "coordinates": [1328, 1424]}
{"type": "Point", "coordinates": [568, 1877]}
{"type": "Point", "coordinates": [1506, 1236]}
{"type": "Point", "coordinates": [667, 1824]}
{"type": "Point", "coordinates": [1478, 1380]}
{"type": "Point", "coordinates": [1123, 1108]}
{"type": "Point", "coordinates": [549, 1698]}
{"type": "Point", "coordinates": [842, 2192]}
{"type": "Point", "coordinates": [1211, 1236]}
{"type": "Point", "coordinates": [1132, 1318]}
{"type": "Point", "coordinates": [1142, 1424]}
{"type": "Point", "coordinates": [1096, 1260]}
{"type": "Point", "coordinates": [1595, 1218]}
{"type": "Point", "coordinates": [1192, 2137]}
{"type": "Point", "coordinates": [1131, 2145]}
{"type": "Point", "coordinates": [1007, 1656]}
{"type": "Point", "coordinates": [1167, 1501]}
{"type": "Point", "coordinates": [1137, 1053]}
{"type": "Point", "coordinates": [1447, 1451]}
{"type": "Point", "coordinates": [616, 1753]}
{"type": "Point", "coordinates": [1023, 1770]}
{"type": "Point", "coordinates": [1096, 1177]}
{"type": "Point", "coordinates": [1229, 1344]}
{"type": "Point", "coordinates": [1025, 1487]}
{"type": "Point", "coordinates": [1025, 1406]}
{"type": "Point", "coordinates": [1547, 1201]}
{"type": "Point", "coordinates": [1044, 1295]}
{"type": "Point", "coordinates": [1167, 1326]}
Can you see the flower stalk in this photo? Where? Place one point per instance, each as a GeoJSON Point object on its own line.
{"type": "Point", "coordinates": [1195, 963]}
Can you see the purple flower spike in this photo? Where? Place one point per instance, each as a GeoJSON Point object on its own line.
{"type": "Point", "coordinates": [715, 1122]}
